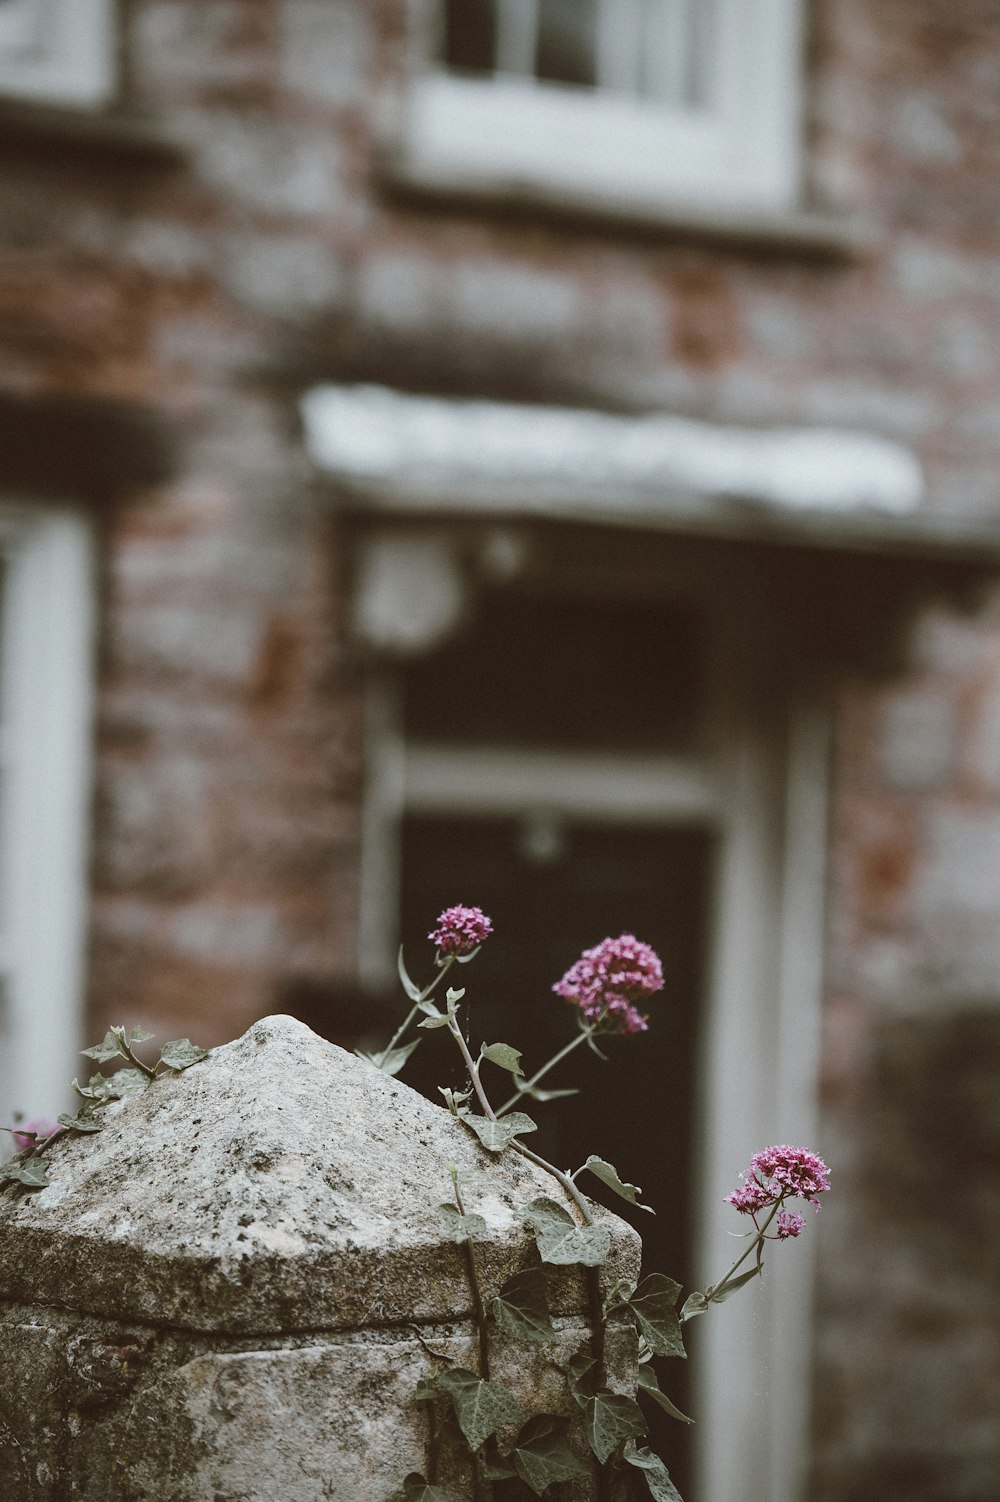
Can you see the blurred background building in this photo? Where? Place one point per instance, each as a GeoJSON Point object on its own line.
{"type": "Point", "coordinates": [542, 454]}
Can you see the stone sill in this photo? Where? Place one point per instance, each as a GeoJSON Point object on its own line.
{"type": "Point", "coordinates": [813, 233]}
{"type": "Point", "coordinates": [52, 129]}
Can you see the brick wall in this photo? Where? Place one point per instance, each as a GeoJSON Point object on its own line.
{"type": "Point", "coordinates": [226, 825]}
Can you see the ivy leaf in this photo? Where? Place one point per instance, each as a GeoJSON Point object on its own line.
{"type": "Point", "coordinates": [503, 1055]}
{"type": "Point", "coordinates": [695, 1303]}
{"type": "Point", "coordinates": [392, 1062]}
{"type": "Point", "coordinates": [32, 1173]}
{"type": "Point", "coordinates": [497, 1135]}
{"type": "Point", "coordinates": [661, 1488]}
{"type": "Point", "coordinates": [653, 1303]}
{"type": "Point", "coordinates": [410, 987]}
{"type": "Point", "coordinates": [542, 1455]}
{"type": "Point", "coordinates": [561, 1241]}
{"type": "Point", "coordinates": [426, 1390]}
{"type": "Point", "coordinates": [459, 1227]}
{"type": "Point", "coordinates": [416, 1489]}
{"type": "Point", "coordinates": [648, 1384]}
{"type": "Point", "coordinates": [521, 1308]}
{"type": "Point", "coordinates": [181, 1054]}
{"type": "Point", "coordinates": [139, 1035]}
{"type": "Point", "coordinates": [81, 1123]}
{"type": "Point", "coordinates": [610, 1419]}
{"type": "Point", "coordinates": [126, 1082]}
{"type": "Point", "coordinates": [494, 1468]}
{"type": "Point", "coordinates": [453, 1099]}
{"type": "Point", "coordinates": [110, 1049]}
{"type": "Point", "coordinates": [579, 1379]}
{"type": "Point", "coordinates": [481, 1407]}
{"type": "Point", "coordinates": [609, 1175]}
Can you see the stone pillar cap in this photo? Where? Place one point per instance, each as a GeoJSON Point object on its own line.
{"type": "Point", "coordinates": [280, 1186]}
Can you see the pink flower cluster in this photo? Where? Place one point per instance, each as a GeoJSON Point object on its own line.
{"type": "Point", "coordinates": [40, 1126]}
{"type": "Point", "coordinates": [777, 1174]}
{"type": "Point", "coordinates": [608, 980]}
{"type": "Point", "coordinates": [460, 930]}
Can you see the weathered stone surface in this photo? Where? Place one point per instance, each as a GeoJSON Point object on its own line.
{"type": "Point", "coordinates": [232, 1290]}
{"type": "Point", "coordinates": [281, 1185]}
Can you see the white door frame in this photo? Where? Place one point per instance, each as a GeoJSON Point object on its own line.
{"type": "Point", "coordinates": [47, 642]}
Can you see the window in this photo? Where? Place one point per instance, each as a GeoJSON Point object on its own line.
{"type": "Point", "coordinates": [46, 623]}
{"type": "Point", "coordinates": [57, 51]}
{"type": "Point", "coordinates": [643, 103]}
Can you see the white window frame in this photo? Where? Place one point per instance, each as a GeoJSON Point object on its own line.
{"type": "Point", "coordinates": [58, 51]}
{"type": "Point", "coordinates": [742, 151]}
{"type": "Point", "coordinates": [764, 793]}
{"type": "Point", "coordinates": [47, 650]}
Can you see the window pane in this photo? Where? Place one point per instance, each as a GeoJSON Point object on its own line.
{"type": "Point", "coordinates": [470, 35]}
{"type": "Point", "coordinates": [567, 42]}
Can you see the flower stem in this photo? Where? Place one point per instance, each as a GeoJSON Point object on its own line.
{"type": "Point", "coordinates": [556, 1058]}
{"type": "Point", "coordinates": [756, 1245]}
{"type": "Point", "coordinates": [446, 965]}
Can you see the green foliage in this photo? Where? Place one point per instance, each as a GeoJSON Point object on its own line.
{"type": "Point", "coordinates": [561, 1241]}
{"type": "Point", "coordinates": [653, 1306]}
{"type": "Point", "coordinates": [392, 1062]}
{"type": "Point", "coordinates": [610, 1419]}
{"type": "Point", "coordinates": [498, 1135]}
{"type": "Point", "coordinates": [533, 1092]}
{"type": "Point", "coordinates": [542, 1456]}
{"type": "Point", "coordinates": [459, 1227]}
{"type": "Point", "coordinates": [32, 1172]}
{"type": "Point", "coordinates": [521, 1308]}
{"type": "Point", "coordinates": [503, 1055]}
{"type": "Point", "coordinates": [416, 1489]}
{"type": "Point", "coordinates": [661, 1488]}
{"type": "Point", "coordinates": [411, 988]}
{"type": "Point", "coordinates": [481, 1407]}
{"type": "Point", "coordinates": [110, 1049]}
{"type": "Point", "coordinates": [727, 1289]}
{"type": "Point", "coordinates": [181, 1054]}
{"type": "Point", "coordinates": [695, 1303]}
{"type": "Point", "coordinates": [581, 1379]}
{"type": "Point", "coordinates": [126, 1082]}
{"type": "Point", "coordinates": [82, 1122]}
{"type": "Point", "coordinates": [609, 1176]}
{"type": "Point", "coordinates": [651, 1387]}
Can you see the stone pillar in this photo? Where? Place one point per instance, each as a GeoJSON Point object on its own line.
{"type": "Point", "coordinates": [232, 1290]}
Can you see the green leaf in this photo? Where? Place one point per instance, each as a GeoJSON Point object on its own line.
{"type": "Point", "coordinates": [542, 1455]}
{"type": "Point", "coordinates": [181, 1054]}
{"type": "Point", "coordinates": [580, 1379]}
{"type": "Point", "coordinates": [594, 1048]}
{"type": "Point", "coordinates": [609, 1175]}
{"type": "Point", "coordinates": [82, 1122]}
{"type": "Point", "coordinates": [561, 1241]}
{"type": "Point", "coordinates": [410, 987]}
{"type": "Point", "coordinates": [460, 1227]}
{"type": "Point", "coordinates": [521, 1308]}
{"type": "Point", "coordinates": [661, 1488]}
{"type": "Point", "coordinates": [416, 1489]}
{"type": "Point", "coordinates": [392, 1062]}
{"type": "Point", "coordinates": [720, 1296]}
{"type": "Point", "coordinates": [534, 1093]}
{"type": "Point", "coordinates": [111, 1048]}
{"type": "Point", "coordinates": [494, 1468]}
{"type": "Point", "coordinates": [453, 1099]}
{"type": "Point", "coordinates": [653, 1303]}
{"type": "Point", "coordinates": [139, 1035]}
{"type": "Point", "coordinates": [31, 1172]}
{"type": "Point", "coordinates": [126, 1082]}
{"type": "Point", "coordinates": [648, 1384]}
{"type": "Point", "coordinates": [426, 1390]}
{"type": "Point", "coordinates": [434, 1018]}
{"type": "Point", "coordinates": [695, 1303]}
{"type": "Point", "coordinates": [481, 1407]}
{"type": "Point", "coordinates": [497, 1135]}
{"type": "Point", "coordinates": [503, 1055]}
{"type": "Point", "coordinates": [453, 997]}
{"type": "Point", "coordinates": [463, 959]}
{"type": "Point", "coordinates": [610, 1419]}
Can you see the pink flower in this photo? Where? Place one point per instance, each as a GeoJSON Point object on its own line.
{"type": "Point", "coordinates": [41, 1126]}
{"type": "Point", "coordinates": [750, 1197]}
{"type": "Point", "coordinates": [788, 1223]}
{"type": "Point", "coordinates": [460, 930]}
{"type": "Point", "coordinates": [792, 1170]}
{"type": "Point", "coordinates": [607, 981]}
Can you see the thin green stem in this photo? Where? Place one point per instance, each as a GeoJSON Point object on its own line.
{"type": "Point", "coordinates": [755, 1246]}
{"type": "Point", "coordinates": [479, 1308]}
{"type": "Point", "coordinates": [133, 1058]}
{"type": "Point", "coordinates": [446, 965]}
{"type": "Point", "coordinates": [556, 1058]}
